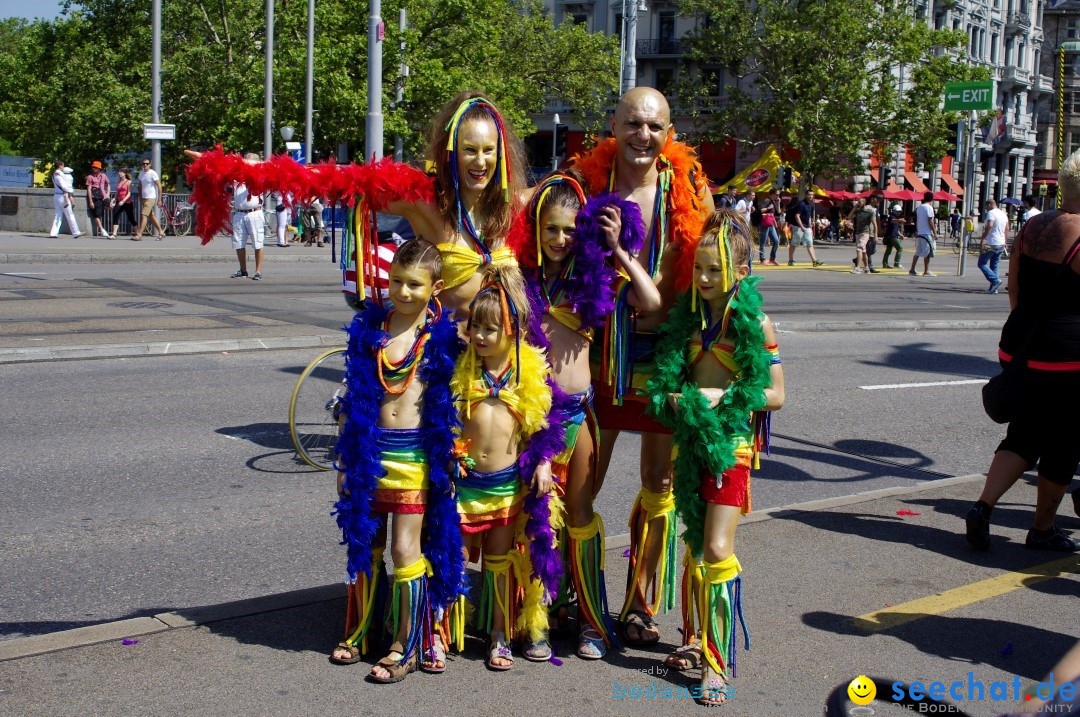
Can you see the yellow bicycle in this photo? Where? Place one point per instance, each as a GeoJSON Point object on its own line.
{"type": "Point", "coordinates": [314, 409]}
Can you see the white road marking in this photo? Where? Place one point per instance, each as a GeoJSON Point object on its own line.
{"type": "Point", "coordinates": [923, 385]}
{"type": "Point", "coordinates": [25, 273]}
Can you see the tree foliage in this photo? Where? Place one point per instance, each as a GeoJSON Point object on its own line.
{"type": "Point", "coordinates": [821, 77]}
{"type": "Point", "coordinates": [79, 86]}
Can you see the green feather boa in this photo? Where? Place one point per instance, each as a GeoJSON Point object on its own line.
{"type": "Point", "coordinates": [705, 438]}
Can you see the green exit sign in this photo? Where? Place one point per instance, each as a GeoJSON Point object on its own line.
{"type": "Point", "coordinates": [969, 95]}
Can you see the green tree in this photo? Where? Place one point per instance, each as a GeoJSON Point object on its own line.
{"type": "Point", "coordinates": [78, 86]}
{"type": "Point", "coordinates": [822, 77]}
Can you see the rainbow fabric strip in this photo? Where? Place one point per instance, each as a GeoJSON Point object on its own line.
{"type": "Point", "coordinates": [465, 223]}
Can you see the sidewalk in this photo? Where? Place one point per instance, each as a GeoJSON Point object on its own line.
{"type": "Point", "coordinates": [897, 594]}
{"type": "Point", "coordinates": [23, 248]}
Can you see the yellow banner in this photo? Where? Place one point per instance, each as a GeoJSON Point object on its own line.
{"type": "Point", "coordinates": [761, 175]}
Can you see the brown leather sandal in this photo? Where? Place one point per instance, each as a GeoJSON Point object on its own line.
{"type": "Point", "coordinates": [397, 670]}
{"type": "Point", "coordinates": [352, 659]}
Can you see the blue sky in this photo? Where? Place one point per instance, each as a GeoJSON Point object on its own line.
{"type": "Point", "coordinates": [30, 10]}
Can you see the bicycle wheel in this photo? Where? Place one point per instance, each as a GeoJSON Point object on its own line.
{"type": "Point", "coordinates": [182, 222]}
{"type": "Point", "coordinates": [312, 410]}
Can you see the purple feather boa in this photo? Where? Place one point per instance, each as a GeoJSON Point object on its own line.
{"type": "Point", "coordinates": [544, 445]}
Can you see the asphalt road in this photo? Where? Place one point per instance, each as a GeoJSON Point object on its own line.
{"type": "Point", "coordinates": [142, 485]}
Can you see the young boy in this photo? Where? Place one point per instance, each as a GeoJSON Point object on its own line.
{"type": "Point", "coordinates": [721, 375]}
{"type": "Point", "coordinates": [396, 451]}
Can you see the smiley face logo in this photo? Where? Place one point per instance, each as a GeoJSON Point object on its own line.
{"type": "Point", "coordinates": [862, 690]}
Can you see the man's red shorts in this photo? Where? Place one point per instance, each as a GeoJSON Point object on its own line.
{"type": "Point", "coordinates": [734, 488]}
{"type": "Point", "coordinates": [631, 416]}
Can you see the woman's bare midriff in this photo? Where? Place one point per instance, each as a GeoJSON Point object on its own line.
{"type": "Point", "coordinates": [493, 434]}
{"type": "Point", "coordinates": [569, 357]}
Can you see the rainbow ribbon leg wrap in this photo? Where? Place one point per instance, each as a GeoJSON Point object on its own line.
{"type": "Point", "coordinates": [498, 592]}
{"type": "Point", "coordinates": [586, 548]}
{"type": "Point", "coordinates": [414, 579]}
{"type": "Point", "coordinates": [650, 506]}
{"type": "Point", "coordinates": [367, 598]}
{"type": "Point", "coordinates": [718, 589]}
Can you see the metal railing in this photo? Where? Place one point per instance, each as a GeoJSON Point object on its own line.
{"type": "Point", "coordinates": [659, 47]}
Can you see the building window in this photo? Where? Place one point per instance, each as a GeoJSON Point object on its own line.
{"type": "Point", "coordinates": [712, 78]}
{"type": "Point", "coordinates": [1074, 105]}
{"type": "Point", "coordinates": [663, 79]}
{"type": "Point", "coordinates": [579, 18]}
{"type": "Point", "coordinates": [1071, 28]}
{"type": "Point", "coordinates": [994, 39]}
{"type": "Point", "coordinates": [667, 27]}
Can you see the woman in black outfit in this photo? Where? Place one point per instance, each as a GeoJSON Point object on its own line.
{"type": "Point", "coordinates": [1044, 293]}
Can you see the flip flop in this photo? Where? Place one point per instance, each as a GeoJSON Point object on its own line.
{"type": "Point", "coordinates": [641, 621]}
{"type": "Point", "coordinates": [352, 659]}
{"type": "Point", "coordinates": [687, 657]}
{"type": "Point", "coordinates": [714, 689]}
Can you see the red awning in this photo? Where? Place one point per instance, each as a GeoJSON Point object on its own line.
{"type": "Point", "coordinates": [952, 184]}
{"type": "Point", "coordinates": [915, 182]}
{"type": "Point", "coordinates": [1045, 181]}
{"type": "Point", "coordinates": [946, 197]}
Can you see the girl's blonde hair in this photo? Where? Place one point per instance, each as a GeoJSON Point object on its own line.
{"type": "Point", "coordinates": [738, 235]}
{"type": "Point", "coordinates": [503, 300]}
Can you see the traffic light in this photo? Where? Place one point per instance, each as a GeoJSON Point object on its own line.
{"type": "Point", "coordinates": [783, 178]}
{"type": "Point", "coordinates": [884, 175]}
{"type": "Point", "coordinates": [562, 131]}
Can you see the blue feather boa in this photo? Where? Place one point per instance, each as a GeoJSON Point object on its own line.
{"type": "Point", "coordinates": [359, 452]}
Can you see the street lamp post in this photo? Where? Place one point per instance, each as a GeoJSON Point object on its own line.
{"type": "Point", "coordinates": [631, 8]}
{"type": "Point", "coordinates": [373, 147]}
{"type": "Point", "coordinates": [268, 100]}
{"type": "Point", "coordinates": [155, 93]}
{"type": "Point", "coordinates": [309, 94]}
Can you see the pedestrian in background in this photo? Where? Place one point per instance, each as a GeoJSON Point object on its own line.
{"type": "Point", "coordinates": [283, 214]}
{"type": "Point", "coordinates": [122, 204]}
{"type": "Point", "coordinates": [728, 201]}
{"type": "Point", "coordinates": [926, 235]}
{"type": "Point", "coordinates": [894, 223]}
{"type": "Point", "coordinates": [1030, 210]}
{"type": "Point", "coordinates": [802, 234]}
{"type": "Point", "coordinates": [770, 208]}
{"type": "Point", "coordinates": [1042, 331]}
{"type": "Point", "coordinates": [745, 206]}
{"type": "Point", "coordinates": [247, 221]}
{"type": "Point", "coordinates": [97, 197]}
{"type": "Point", "coordinates": [63, 196]}
{"type": "Point", "coordinates": [992, 244]}
{"type": "Point", "coordinates": [864, 216]}
{"type": "Point", "coordinates": [150, 193]}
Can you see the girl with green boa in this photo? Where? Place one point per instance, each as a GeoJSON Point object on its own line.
{"type": "Point", "coordinates": [718, 375]}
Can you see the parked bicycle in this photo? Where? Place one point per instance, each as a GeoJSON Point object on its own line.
{"type": "Point", "coordinates": [178, 219]}
{"type": "Point", "coordinates": [315, 407]}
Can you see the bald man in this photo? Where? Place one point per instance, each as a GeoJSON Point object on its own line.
{"type": "Point", "coordinates": [643, 163]}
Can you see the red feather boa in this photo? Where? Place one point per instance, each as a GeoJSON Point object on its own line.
{"type": "Point", "coordinates": [381, 183]}
{"type": "Point", "coordinates": [688, 215]}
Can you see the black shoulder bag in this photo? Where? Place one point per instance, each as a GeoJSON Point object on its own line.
{"type": "Point", "coordinates": [1003, 396]}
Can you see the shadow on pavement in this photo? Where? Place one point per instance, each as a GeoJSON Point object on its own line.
{"type": "Point", "coordinates": [267, 435]}
{"type": "Point", "coordinates": [916, 357]}
{"type": "Point", "coordinates": [1003, 554]}
{"type": "Point", "coordinates": [11, 630]}
{"type": "Point", "coordinates": [780, 465]}
{"type": "Point", "coordinates": [974, 641]}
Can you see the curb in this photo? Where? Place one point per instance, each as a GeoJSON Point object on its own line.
{"type": "Point", "coordinates": [165, 348]}
{"type": "Point", "coordinates": [50, 258]}
{"type": "Point", "coordinates": [895, 325]}
{"type": "Point", "coordinates": [21, 647]}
